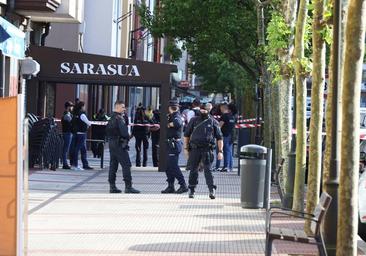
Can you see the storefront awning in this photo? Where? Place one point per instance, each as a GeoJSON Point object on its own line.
{"type": "Point", "coordinates": [62, 66]}
{"type": "Point", "coordinates": [12, 40]}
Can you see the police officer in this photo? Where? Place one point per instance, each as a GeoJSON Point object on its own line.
{"type": "Point", "coordinates": [175, 144]}
{"type": "Point", "coordinates": [117, 135]}
{"type": "Point", "coordinates": [155, 137]}
{"type": "Point", "coordinates": [199, 144]}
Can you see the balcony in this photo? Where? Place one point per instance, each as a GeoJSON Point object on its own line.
{"type": "Point", "coordinates": [58, 11]}
{"type": "Point", "coordinates": [38, 5]}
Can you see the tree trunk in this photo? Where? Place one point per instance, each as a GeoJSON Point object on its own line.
{"type": "Point", "coordinates": [317, 100]}
{"type": "Point", "coordinates": [352, 75]}
{"type": "Point", "coordinates": [298, 201]}
{"type": "Point", "coordinates": [275, 117]}
{"type": "Point", "coordinates": [289, 8]}
{"type": "Point", "coordinates": [268, 125]}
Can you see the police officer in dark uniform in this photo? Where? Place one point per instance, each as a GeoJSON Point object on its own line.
{"type": "Point", "coordinates": [199, 144]}
{"type": "Point", "coordinates": [175, 144]}
{"type": "Point", "coordinates": [155, 137]}
{"type": "Point", "coordinates": [118, 137]}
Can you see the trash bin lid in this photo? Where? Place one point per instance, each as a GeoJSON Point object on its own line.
{"type": "Point", "coordinates": [252, 148]}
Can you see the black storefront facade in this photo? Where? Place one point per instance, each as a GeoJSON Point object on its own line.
{"type": "Point", "coordinates": [59, 66]}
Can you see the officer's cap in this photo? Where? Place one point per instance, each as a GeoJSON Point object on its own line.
{"type": "Point", "coordinates": [173, 103]}
{"type": "Point", "coordinates": [68, 104]}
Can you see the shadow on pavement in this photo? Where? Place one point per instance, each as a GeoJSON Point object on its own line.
{"type": "Point", "coordinates": [253, 246]}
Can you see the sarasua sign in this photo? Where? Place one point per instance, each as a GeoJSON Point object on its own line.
{"type": "Point", "coordinates": [100, 69]}
{"type": "Point", "coordinates": [62, 66]}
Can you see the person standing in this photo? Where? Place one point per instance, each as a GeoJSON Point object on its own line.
{"type": "Point", "coordinates": [80, 126]}
{"type": "Point", "coordinates": [140, 131]}
{"type": "Point", "coordinates": [66, 132]}
{"type": "Point", "coordinates": [227, 124]}
{"type": "Point", "coordinates": [199, 144]}
{"type": "Point", "coordinates": [174, 141]}
{"type": "Point", "coordinates": [118, 138]}
{"type": "Point", "coordinates": [155, 137]}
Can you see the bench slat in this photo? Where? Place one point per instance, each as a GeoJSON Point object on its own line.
{"type": "Point", "coordinates": [289, 235]}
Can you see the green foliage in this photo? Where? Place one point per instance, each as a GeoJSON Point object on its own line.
{"type": "Point", "coordinates": [278, 35]}
{"type": "Point", "coordinates": [220, 36]}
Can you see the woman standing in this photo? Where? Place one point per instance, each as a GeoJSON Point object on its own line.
{"type": "Point", "coordinates": [141, 133]}
{"type": "Point", "coordinates": [80, 126]}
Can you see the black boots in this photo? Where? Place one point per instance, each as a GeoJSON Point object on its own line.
{"type": "Point", "coordinates": [212, 192]}
{"type": "Point", "coordinates": [169, 190]}
{"type": "Point", "coordinates": [113, 189]}
{"type": "Point", "coordinates": [182, 189]}
{"type": "Point", "coordinates": [191, 193]}
{"type": "Point", "coordinates": [130, 190]}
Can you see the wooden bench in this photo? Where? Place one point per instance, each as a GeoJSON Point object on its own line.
{"type": "Point", "coordinates": [293, 235]}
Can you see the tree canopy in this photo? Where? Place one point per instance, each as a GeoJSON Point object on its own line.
{"type": "Point", "coordinates": [220, 36]}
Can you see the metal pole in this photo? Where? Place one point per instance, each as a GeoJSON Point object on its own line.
{"type": "Point", "coordinates": [289, 187]}
{"type": "Point", "coordinates": [332, 183]}
{"type": "Point", "coordinates": [267, 185]}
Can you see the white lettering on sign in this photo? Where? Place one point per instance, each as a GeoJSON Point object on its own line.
{"type": "Point", "coordinates": [100, 69]}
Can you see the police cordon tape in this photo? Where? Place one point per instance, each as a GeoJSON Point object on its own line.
{"type": "Point", "coordinates": [294, 131]}
{"type": "Point", "coordinates": [237, 126]}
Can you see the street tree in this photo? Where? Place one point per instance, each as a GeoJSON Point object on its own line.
{"type": "Point", "coordinates": [301, 70]}
{"type": "Point", "coordinates": [280, 38]}
{"type": "Point", "coordinates": [319, 32]}
{"type": "Point", "coordinates": [210, 30]}
{"type": "Point", "coordinates": [349, 171]}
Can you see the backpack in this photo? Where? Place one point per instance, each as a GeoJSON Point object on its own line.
{"type": "Point", "coordinates": [203, 132]}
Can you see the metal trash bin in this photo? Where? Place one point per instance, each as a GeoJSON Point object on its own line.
{"type": "Point", "coordinates": [253, 170]}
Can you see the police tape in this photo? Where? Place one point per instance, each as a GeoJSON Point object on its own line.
{"type": "Point", "coordinates": [239, 126]}
{"type": "Point", "coordinates": [294, 132]}
{"type": "Point", "coordinates": [103, 123]}
{"type": "Point", "coordinates": [249, 120]}
{"type": "Point", "coordinates": [143, 125]}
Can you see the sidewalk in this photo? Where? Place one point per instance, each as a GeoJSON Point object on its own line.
{"type": "Point", "coordinates": [72, 213]}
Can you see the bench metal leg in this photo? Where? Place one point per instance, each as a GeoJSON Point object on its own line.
{"type": "Point", "coordinates": [268, 246]}
{"type": "Point", "coordinates": [321, 246]}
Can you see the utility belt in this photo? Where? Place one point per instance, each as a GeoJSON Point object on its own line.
{"type": "Point", "coordinates": [209, 146]}
{"type": "Point", "coordinates": [173, 140]}
{"type": "Point", "coordinates": [121, 141]}
{"type": "Point", "coordinates": [175, 145]}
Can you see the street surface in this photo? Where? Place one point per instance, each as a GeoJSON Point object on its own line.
{"type": "Point", "coordinates": [72, 213]}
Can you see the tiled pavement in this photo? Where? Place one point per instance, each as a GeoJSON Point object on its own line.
{"type": "Point", "coordinates": [72, 213]}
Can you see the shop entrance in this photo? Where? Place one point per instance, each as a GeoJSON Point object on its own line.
{"type": "Point", "coordinates": [66, 67]}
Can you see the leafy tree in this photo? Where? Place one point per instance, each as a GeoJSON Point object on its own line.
{"type": "Point", "coordinates": [220, 36]}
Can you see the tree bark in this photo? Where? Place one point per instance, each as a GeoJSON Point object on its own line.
{"type": "Point", "coordinates": [298, 201]}
{"type": "Point", "coordinates": [317, 100]}
{"type": "Point", "coordinates": [275, 117]}
{"type": "Point", "coordinates": [352, 75]}
{"type": "Point", "coordinates": [289, 8]}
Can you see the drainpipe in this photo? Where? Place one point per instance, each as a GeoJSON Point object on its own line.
{"type": "Point", "coordinates": [45, 33]}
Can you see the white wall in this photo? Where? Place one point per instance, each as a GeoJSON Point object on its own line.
{"type": "Point", "coordinates": [100, 35]}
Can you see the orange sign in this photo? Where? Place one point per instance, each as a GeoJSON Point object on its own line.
{"type": "Point", "coordinates": [8, 176]}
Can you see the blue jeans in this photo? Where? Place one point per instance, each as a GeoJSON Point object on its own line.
{"type": "Point", "coordinates": [228, 154]}
{"type": "Point", "coordinates": [67, 136]}
{"type": "Point", "coordinates": [80, 141]}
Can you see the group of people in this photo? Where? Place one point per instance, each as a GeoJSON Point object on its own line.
{"type": "Point", "coordinates": [75, 126]}
{"type": "Point", "coordinates": [203, 137]}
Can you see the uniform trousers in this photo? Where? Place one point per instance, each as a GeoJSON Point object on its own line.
{"type": "Point", "coordinates": [119, 155]}
{"type": "Point", "coordinates": [196, 155]}
{"type": "Point", "coordinates": [173, 170]}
